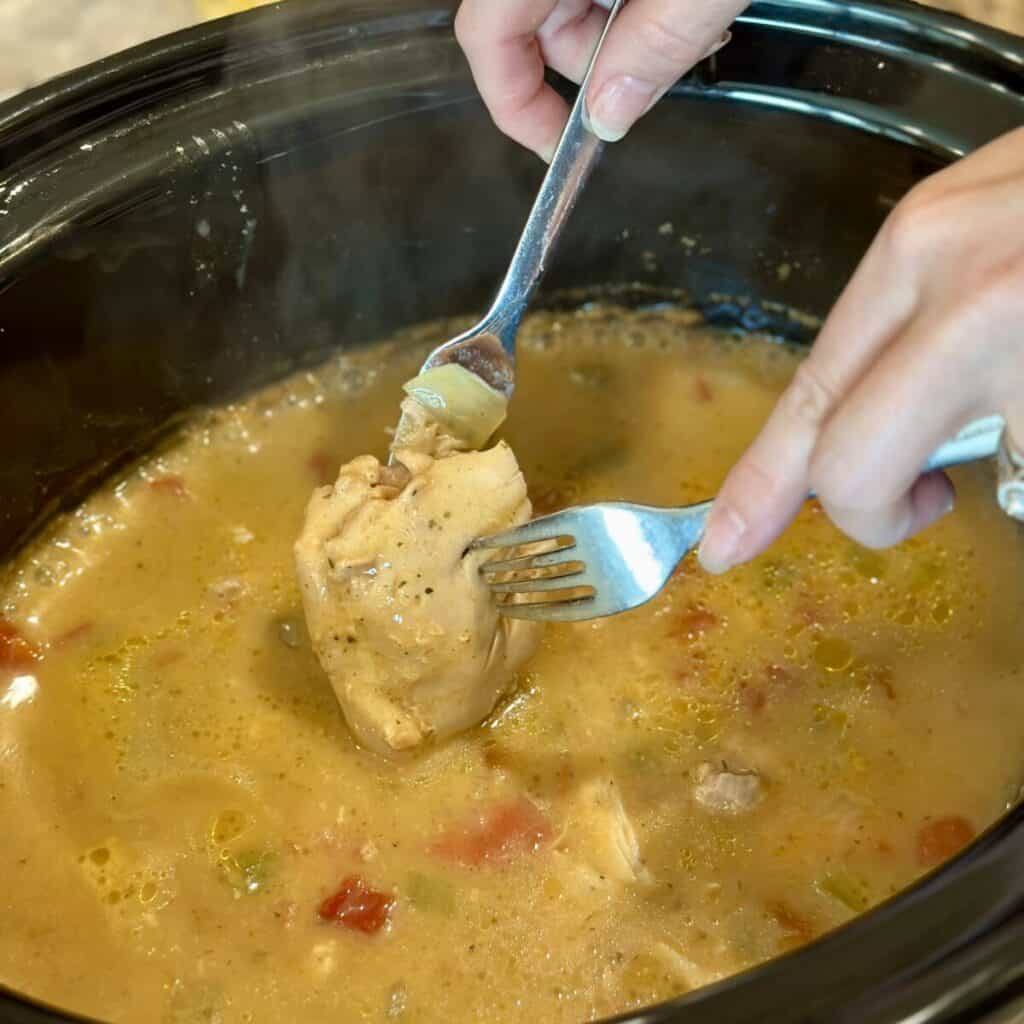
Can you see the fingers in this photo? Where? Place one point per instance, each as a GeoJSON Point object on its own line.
{"type": "Point", "coordinates": [875, 396]}
{"type": "Point", "coordinates": [651, 45]}
{"type": "Point", "coordinates": [862, 455]}
{"type": "Point", "coordinates": [500, 43]}
{"type": "Point", "coordinates": [878, 393]}
{"type": "Point", "coordinates": [569, 35]}
{"type": "Point", "coordinates": [857, 435]}
{"type": "Point", "coordinates": [930, 498]}
{"type": "Point", "coordinates": [873, 447]}
{"type": "Point", "coordinates": [771, 480]}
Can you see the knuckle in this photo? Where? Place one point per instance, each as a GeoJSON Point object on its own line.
{"type": "Point", "coordinates": [667, 42]}
{"type": "Point", "coordinates": [758, 483]}
{"type": "Point", "coordinates": [465, 27]}
{"type": "Point", "coordinates": [1001, 289]}
{"type": "Point", "coordinates": [923, 220]}
{"type": "Point", "coordinates": [809, 397]}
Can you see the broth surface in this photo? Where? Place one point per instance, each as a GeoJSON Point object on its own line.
{"type": "Point", "coordinates": [191, 834]}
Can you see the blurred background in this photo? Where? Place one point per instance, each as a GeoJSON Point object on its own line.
{"type": "Point", "coordinates": [42, 38]}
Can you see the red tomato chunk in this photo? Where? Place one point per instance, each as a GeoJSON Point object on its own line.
{"type": "Point", "coordinates": [938, 840]}
{"type": "Point", "coordinates": [497, 835]}
{"type": "Point", "coordinates": [797, 929]}
{"type": "Point", "coordinates": [173, 486]}
{"type": "Point", "coordinates": [355, 905]}
{"type": "Point", "coordinates": [15, 650]}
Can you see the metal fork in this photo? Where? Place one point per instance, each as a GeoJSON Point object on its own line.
{"type": "Point", "coordinates": [591, 561]}
{"type": "Point", "coordinates": [489, 348]}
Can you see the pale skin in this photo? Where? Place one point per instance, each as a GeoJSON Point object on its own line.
{"type": "Point", "coordinates": [927, 335]}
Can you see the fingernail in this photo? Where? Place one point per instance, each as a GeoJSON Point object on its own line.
{"type": "Point", "coordinates": [619, 103]}
{"type": "Point", "coordinates": [547, 154]}
{"type": "Point", "coordinates": [721, 543]}
{"type": "Point", "coordinates": [715, 47]}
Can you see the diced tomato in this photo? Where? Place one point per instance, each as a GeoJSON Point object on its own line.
{"type": "Point", "coordinates": [511, 828]}
{"type": "Point", "coordinates": [941, 838]}
{"type": "Point", "coordinates": [358, 907]}
{"type": "Point", "coordinates": [15, 650]}
{"type": "Point", "coordinates": [171, 485]}
{"type": "Point", "coordinates": [797, 929]}
{"type": "Point", "coordinates": [702, 390]}
{"type": "Point", "coordinates": [322, 466]}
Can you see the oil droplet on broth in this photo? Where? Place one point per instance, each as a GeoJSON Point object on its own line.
{"type": "Point", "coordinates": [833, 654]}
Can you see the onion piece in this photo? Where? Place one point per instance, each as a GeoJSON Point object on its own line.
{"type": "Point", "coordinates": [459, 400]}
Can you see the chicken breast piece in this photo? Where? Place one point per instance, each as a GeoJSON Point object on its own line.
{"type": "Point", "coordinates": [599, 844]}
{"type": "Point", "coordinates": [407, 632]}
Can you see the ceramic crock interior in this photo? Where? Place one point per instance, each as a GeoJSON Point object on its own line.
{"type": "Point", "coordinates": [192, 219]}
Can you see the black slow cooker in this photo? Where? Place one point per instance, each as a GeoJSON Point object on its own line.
{"type": "Point", "coordinates": [203, 214]}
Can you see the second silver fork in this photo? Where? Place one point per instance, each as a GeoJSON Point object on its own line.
{"type": "Point", "coordinates": [592, 561]}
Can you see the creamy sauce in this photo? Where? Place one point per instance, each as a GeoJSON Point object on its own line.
{"type": "Point", "coordinates": [191, 833]}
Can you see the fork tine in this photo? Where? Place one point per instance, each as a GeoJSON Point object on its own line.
{"type": "Point", "coordinates": [548, 558]}
{"type": "Point", "coordinates": [545, 528]}
{"type": "Point", "coordinates": [529, 573]}
{"type": "Point", "coordinates": [551, 611]}
{"type": "Point", "coordinates": [537, 585]}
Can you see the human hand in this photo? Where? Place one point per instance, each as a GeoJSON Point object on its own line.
{"type": "Point", "coordinates": [928, 335]}
{"type": "Point", "coordinates": [653, 42]}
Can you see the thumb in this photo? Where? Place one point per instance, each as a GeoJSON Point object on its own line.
{"type": "Point", "coordinates": [650, 46]}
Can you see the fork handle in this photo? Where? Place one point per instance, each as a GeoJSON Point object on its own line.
{"type": "Point", "coordinates": [575, 156]}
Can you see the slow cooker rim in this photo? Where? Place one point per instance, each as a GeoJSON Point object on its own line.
{"type": "Point", "coordinates": [238, 40]}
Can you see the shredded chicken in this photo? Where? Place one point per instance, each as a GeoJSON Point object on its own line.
{"type": "Point", "coordinates": [688, 972]}
{"type": "Point", "coordinates": [726, 791]}
{"type": "Point", "coordinates": [600, 844]}
{"type": "Point", "coordinates": [398, 616]}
